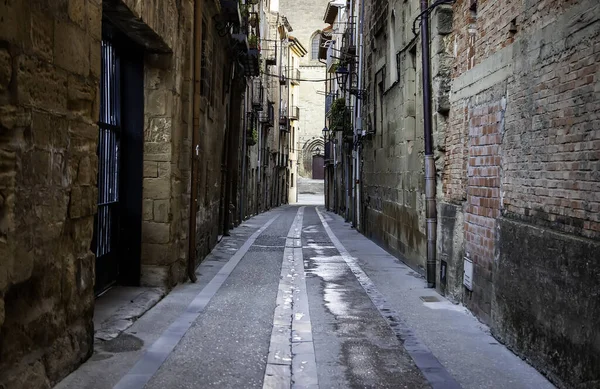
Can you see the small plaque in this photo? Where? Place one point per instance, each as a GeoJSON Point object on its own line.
{"type": "Point", "coordinates": [468, 274]}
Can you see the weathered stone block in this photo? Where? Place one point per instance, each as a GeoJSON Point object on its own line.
{"type": "Point", "coordinates": [150, 169]}
{"type": "Point", "coordinates": [156, 254]}
{"type": "Point", "coordinates": [23, 264]}
{"type": "Point", "coordinates": [442, 20]}
{"type": "Point", "coordinates": [5, 70]}
{"type": "Point", "coordinates": [95, 58]}
{"type": "Point", "coordinates": [164, 169]}
{"type": "Point", "coordinates": [546, 285]}
{"type": "Point", "coordinates": [162, 211]}
{"type": "Point", "coordinates": [157, 151]}
{"type": "Point", "coordinates": [77, 12]}
{"type": "Point", "coordinates": [41, 84]}
{"type": "Point", "coordinates": [156, 102]}
{"type": "Point", "coordinates": [156, 188]}
{"type": "Point", "coordinates": [75, 202]}
{"type": "Point", "coordinates": [159, 130]}
{"type": "Point", "coordinates": [15, 23]}
{"type": "Point", "coordinates": [42, 34]}
{"type": "Point", "coordinates": [157, 276]}
{"type": "Point", "coordinates": [1, 312]}
{"type": "Point", "coordinates": [36, 167]}
{"type": "Point", "coordinates": [155, 232]}
{"type": "Point", "coordinates": [25, 376]}
{"type": "Point", "coordinates": [94, 20]}
{"type": "Point", "coordinates": [148, 209]}
{"type": "Point", "coordinates": [83, 136]}
{"type": "Point", "coordinates": [71, 48]}
{"type": "Point", "coordinates": [81, 95]}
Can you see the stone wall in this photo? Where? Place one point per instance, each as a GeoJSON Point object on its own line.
{"type": "Point", "coordinates": [393, 170]}
{"type": "Point", "coordinates": [306, 18]}
{"type": "Point", "coordinates": [49, 101]}
{"type": "Point", "coordinates": [522, 161]}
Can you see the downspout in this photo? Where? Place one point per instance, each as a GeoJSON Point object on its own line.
{"type": "Point", "coordinates": [326, 179]}
{"type": "Point", "coordinates": [357, 167]}
{"type": "Point", "coordinates": [430, 201]}
{"type": "Point", "coordinates": [244, 148]}
{"type": "Point", "coordinates": [191, 265]}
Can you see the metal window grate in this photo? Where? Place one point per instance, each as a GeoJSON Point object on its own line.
{"type": "Point", "coordinates": [108, 153]}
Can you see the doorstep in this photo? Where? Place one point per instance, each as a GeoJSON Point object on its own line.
{"type": "Point", "coordinates": [119, 307]}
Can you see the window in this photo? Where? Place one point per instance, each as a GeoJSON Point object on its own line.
{"type": "Point", "coordinates": [315, 44]}
{"type": "Point", "coordinates": [392, 57]}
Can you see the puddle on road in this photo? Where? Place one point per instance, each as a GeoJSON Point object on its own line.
{"type": "Point", "coordinates": [122, 343]}
{"type": "Point", "coordinates": [331, 270]}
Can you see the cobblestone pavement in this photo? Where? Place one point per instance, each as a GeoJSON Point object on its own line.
{"type": "Point", "coordinates": [295, 298]}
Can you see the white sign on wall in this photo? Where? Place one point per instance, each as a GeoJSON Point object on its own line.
{"type": "Point", "coordinates": [468, 274]}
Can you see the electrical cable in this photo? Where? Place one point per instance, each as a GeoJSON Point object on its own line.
{"type": "Point", "coordinates": [295, 79]}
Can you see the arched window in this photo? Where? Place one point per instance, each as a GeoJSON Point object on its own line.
{"type": "Point", "coordinates": [315, 43]}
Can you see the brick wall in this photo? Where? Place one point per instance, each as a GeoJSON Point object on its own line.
{"type": "Point", "coordinates": [486, 124]}
{"type": "Point", "coordinates": [522, 159]}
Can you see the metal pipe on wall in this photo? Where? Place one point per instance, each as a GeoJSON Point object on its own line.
{"type": "Point", "coordinates": [191, 264]}
{"type": "Point", "coordinates": [430, 201]}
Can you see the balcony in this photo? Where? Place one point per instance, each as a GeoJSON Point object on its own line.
{"type": "Point", "coordinates": [329, 99]}
{"type": "Point", "coordinates": [294, 113]}
{"type": "Point", "coordinates": [251, 63]}
{"type": "Point", "coordinates": [294, 76]}
{"type": "Point", "coordinates": [270, 53]}
{"type": "Point", "coordinates": [268, 117]}
{"type": "Point", "coordinates": [284, 121]}
{"type": "Point", "coordinates": [257, 94]}
{"type": "Point", "coordinates": [349, 42]}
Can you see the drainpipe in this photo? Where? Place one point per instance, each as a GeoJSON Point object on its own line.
{"type": "Point", "coordinates": [358, 181]}
{"type": "Point", "coordinates": [191, 265]}
{"type": "Point", "coordinates": [244, 146]}
{"type": "Point", "coordinates": [430, 201]}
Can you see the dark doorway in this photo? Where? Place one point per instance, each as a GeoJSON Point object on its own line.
{"type": "Point", "coordinates": [318, 167]}
{"type": "Point", "coordinates": [117, 232]}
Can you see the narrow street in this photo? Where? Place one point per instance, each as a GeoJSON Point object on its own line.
{"type": "Point", "coordinates": [296, 298]}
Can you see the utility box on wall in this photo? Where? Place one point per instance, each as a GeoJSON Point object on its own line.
{"type": "Point", "coordinates": [468, 273]}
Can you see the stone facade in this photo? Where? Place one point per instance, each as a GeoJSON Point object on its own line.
{"type": "Point", "coordinates": [306, 18]}
{"type": "Point", "coordinates": [190, 129]}
{"type": "Point", "coordinates": [392, 151]}
{"type": "Point", "coordinates": [49, 102]}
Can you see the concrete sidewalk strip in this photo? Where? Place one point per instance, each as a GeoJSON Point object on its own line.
{"type": "Point", "coordinates": [158, 352]}
{"type": "Point", "coordinates": [291, 361]}
{"type": "Point", "coordinates": [435, 373]}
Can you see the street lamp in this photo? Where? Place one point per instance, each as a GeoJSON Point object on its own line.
{"type": "Point", "coordinates": [341, 75]}
{"type": "Point", "coordinates": [325, 132]}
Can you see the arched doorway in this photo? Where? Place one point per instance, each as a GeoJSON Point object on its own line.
{"type": "Point", "coordinates": [318, 168]}
{"type": "Point", "coordinates": [308, 150]}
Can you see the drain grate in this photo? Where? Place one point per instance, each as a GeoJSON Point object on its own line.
{"type": "Point", "coordinates": [430, 299]}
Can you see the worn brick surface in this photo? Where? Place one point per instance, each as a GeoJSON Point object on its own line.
{"type": "Point", "coordinates": [522, 151]}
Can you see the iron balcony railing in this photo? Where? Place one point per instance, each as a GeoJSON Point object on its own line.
{"type": "Point", "coordinates": [329, 99]}
{"type": "Point", "coordinates": [267, 117]}
{"type": "Point", "coordinates": [294, 113]}
{"type": "Point", "coordinates": [294, 76]}
{"type": "Point", "coordinates": [349, 40]}
{"type": "Point", "coordinates": [257, 94]}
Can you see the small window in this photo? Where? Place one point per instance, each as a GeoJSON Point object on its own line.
{"type": "Point", "coordinates": [292, 180]}
{"type": "Point", "coordinates": [315, 44]}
